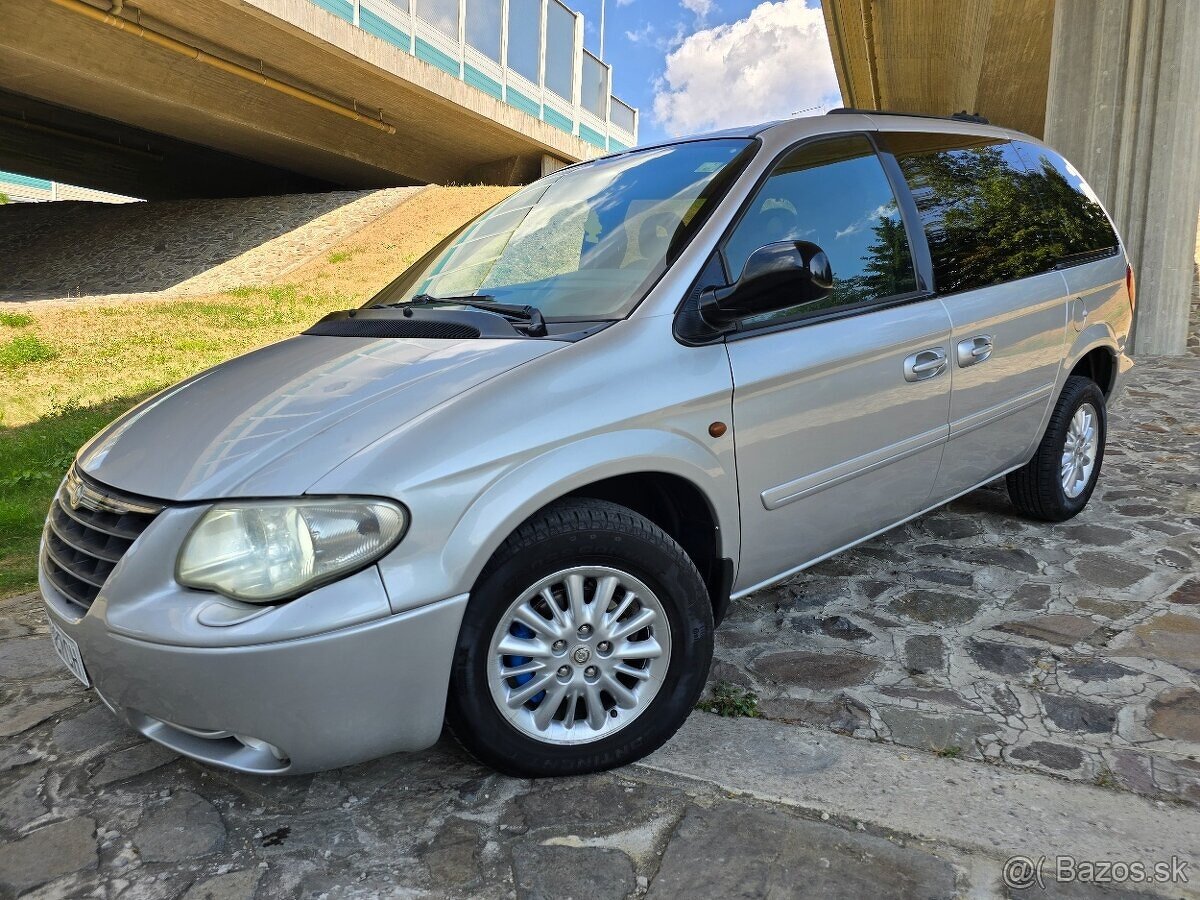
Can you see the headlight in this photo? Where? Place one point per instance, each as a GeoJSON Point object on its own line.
{"type": "Point", "coordinates": [274, 549]}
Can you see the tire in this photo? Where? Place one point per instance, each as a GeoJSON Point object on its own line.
{"type": "Point", "coordinates": [580, 536]}
{"type": "Point", "coordinates": [1037, 489]}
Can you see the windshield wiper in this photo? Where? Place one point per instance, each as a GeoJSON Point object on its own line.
{"type": "Point", "coordinates": [530, 314]}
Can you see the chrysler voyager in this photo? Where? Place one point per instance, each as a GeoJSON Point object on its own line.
{"type": "Point", "coordinates": [516, 490]}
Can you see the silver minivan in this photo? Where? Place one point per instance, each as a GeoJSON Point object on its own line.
{"type": "Point", "coordinates": [518, 488]}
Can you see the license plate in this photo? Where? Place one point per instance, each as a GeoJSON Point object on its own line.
{"type": "Point", "coordinates": [68, 652]}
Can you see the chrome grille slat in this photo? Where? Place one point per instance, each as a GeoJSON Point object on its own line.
{"type": "Point", "coordinates": [88, 530]}
{"type": "Point", "coordinates": [89, 519]}
{"type": "Point", "coordinates": [82, 539]}
{"type": "Point", "coordinates": [82, 599]}
{"type": "Point", "coordinates": [78, 568]}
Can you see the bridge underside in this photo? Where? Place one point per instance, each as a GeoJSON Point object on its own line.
{"type": "Point", "coordinates": [942, 56]}
{"type": "Point", "coordinates": [116, 108]}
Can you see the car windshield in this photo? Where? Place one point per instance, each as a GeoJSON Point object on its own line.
{"type": "Point", "coordinates": [585, 243]}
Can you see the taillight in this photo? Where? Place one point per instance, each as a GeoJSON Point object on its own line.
{"type": "Point", "coordinates": [1130, 286]}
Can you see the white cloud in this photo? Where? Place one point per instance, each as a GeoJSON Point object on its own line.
{"type": "Point", "coordinates": [699, 8]}
{"type": "Point", "coordinates": [766, 66]}
{"type": "Point", "coordinates": [642, 35]}
{"type": "Point", "coordinates": [624, 2]}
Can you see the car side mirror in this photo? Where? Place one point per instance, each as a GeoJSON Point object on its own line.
{"type": "Point", "coordinates": [776, 276]}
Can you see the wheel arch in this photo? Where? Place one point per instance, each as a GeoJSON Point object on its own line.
{"type": "Point", "coordinates": [1099, 363]}
{"type": "Point", "coordinates": [676, 483]}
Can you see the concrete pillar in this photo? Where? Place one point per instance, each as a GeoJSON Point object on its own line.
{"type": "Point", "coordinates": [1124, 106]}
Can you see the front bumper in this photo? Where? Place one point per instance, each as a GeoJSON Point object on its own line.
{"type": "Point", "coordinates": [283, 706]}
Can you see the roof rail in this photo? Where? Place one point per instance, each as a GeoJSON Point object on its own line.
{"type": "Point", "coordinates": [963, 116]}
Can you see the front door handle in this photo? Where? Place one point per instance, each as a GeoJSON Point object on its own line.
{"type": "Point", "coordinates": [925, 364]}
{"type": "Point", "coordinates": [974, 350]}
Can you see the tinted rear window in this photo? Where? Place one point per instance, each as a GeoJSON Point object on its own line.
{"type": "Point", "coordinates": [981, 207]}
{"type": "Point", "coordinates": [1081, 230]}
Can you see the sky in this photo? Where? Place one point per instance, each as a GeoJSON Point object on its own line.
{"type": "Point", "coordinates": [698, 65]}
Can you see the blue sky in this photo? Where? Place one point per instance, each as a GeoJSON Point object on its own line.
{"type": "Point", "coordinates": [695, 65]}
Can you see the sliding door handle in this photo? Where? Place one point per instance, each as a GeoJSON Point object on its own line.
{"type": "Point", "coordinates": [974, 350]}
{"type": "Point", "coordinates": [925, 364]}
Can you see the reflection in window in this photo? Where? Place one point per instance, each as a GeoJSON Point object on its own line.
{"type": "Point", "coordinates": [560, 49]}
{"type": "Point", "coordinates": [834, 194]}
{"type": "Point", "coordinates": [583, 242]}
{"type": "Point", "coordinates": [441, 14]}
{"type": "Point", "coordinates": [524, 33]}
{"type": "Point", "coordinates": [483, 27]}
{"type": "Point", "coordinates": [989, 216]}
{"type": "Point", "coordinates": [594, 90]}
{"type": "Point", "coordinates": [1082, 228]}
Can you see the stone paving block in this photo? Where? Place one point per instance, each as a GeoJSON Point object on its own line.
{"type": "Point", "coordinates": [124, 764]}
{"type": "Point", "coordinates": [582, 873]}
{"type": "Point", "coordinates": [48, 853]}
{"type": "Point", "coordinates": [933, 607]}
{"type": "Point", "coordinates": [239, 885]}
{"type": "Point", "coordinates": [1065, 630]}
{"type": "Point", "coordinates": [19, 716]}
{"type": "Point", "coordinates": [1171, 637]}
{"type": "Point", "coordinates": [936, 732]}
{"type": "Point", "coordinates": [1072, 713]}
{"type": "Point", "coordinates": [1004, 659]}
{"type": "Point", "coordinates": [1059, 757]}
{"type": "Point", "coordinates": [93, 731]}
{"type": "Point", "coordinates": [28, 657]}
{"type": "Point", "coordinates": [1175, 714]}
{"type": "Point", "coordinates": [816, 671]}
{"type": "Point", "coordinates": [735, 851]}
{"type": "Point", "coordinates": [925, 653]}
{"type": "Point", "coordinates": [1187, 594]}
{"type": "Point", "coordinates": [185, 827]}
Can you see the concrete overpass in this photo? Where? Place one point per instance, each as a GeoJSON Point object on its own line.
{"type": "Point", "coordinates": [1112, 84]}
{"type": "Point", "coordinates": [161, 99]}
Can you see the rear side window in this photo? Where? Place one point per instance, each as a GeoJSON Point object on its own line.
{"type": "Point", "coordinates": [981, 207]}
{"type": "Point", "coordinates": [833, 193]}
{"type": "Point", "coordinates": [1080, 230]}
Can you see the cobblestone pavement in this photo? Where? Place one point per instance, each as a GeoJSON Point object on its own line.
{"type": "Point", "coordinates": [1068, 650]}
{"type": "Point", "coordinates": [185, 247]}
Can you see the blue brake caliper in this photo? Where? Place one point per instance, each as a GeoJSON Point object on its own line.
{"type": "Point", "coordinates": [523, 631]}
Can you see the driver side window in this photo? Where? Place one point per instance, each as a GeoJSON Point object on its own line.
{"type": "Point", "coordinates": [832, 193]}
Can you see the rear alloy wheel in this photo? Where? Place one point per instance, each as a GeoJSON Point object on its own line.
{"type": "Point", "coordinates": [585, 644]}
{"type": "Point", "coordinates": [1056, 484]}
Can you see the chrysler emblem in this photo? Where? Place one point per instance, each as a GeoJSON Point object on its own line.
{"type": "Point", "coordinates": [74, 493]}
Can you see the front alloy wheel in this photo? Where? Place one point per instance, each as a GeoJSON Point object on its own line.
{"type": "Point", "coordinates": [584, 646]}
{"type": "Point", "coordinates": [579, 655]}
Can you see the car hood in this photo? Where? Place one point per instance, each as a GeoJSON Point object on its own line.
{"type": "Point", "coordinates": [272, 422]}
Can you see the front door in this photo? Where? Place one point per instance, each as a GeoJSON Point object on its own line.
{"type": "Point", "coordinates": [841, 406]}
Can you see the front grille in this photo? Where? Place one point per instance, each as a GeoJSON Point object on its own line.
{"type": "Point", "coordinates": [88, 530]}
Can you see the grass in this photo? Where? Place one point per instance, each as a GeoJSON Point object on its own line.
{"type": "Point", "coordinates": [74, 367]}
{"type": "Point", "coordinates": [23, 350]}
{"type": "Point", "coordinates": [731, 701]}
{"type": "Point", "coordinates": [339, 256]}
{"type": "Point", "coordinates": [33, 459]}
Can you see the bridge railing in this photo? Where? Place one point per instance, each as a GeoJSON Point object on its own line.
{"type": "Point", "coordinates": [526, 53]}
